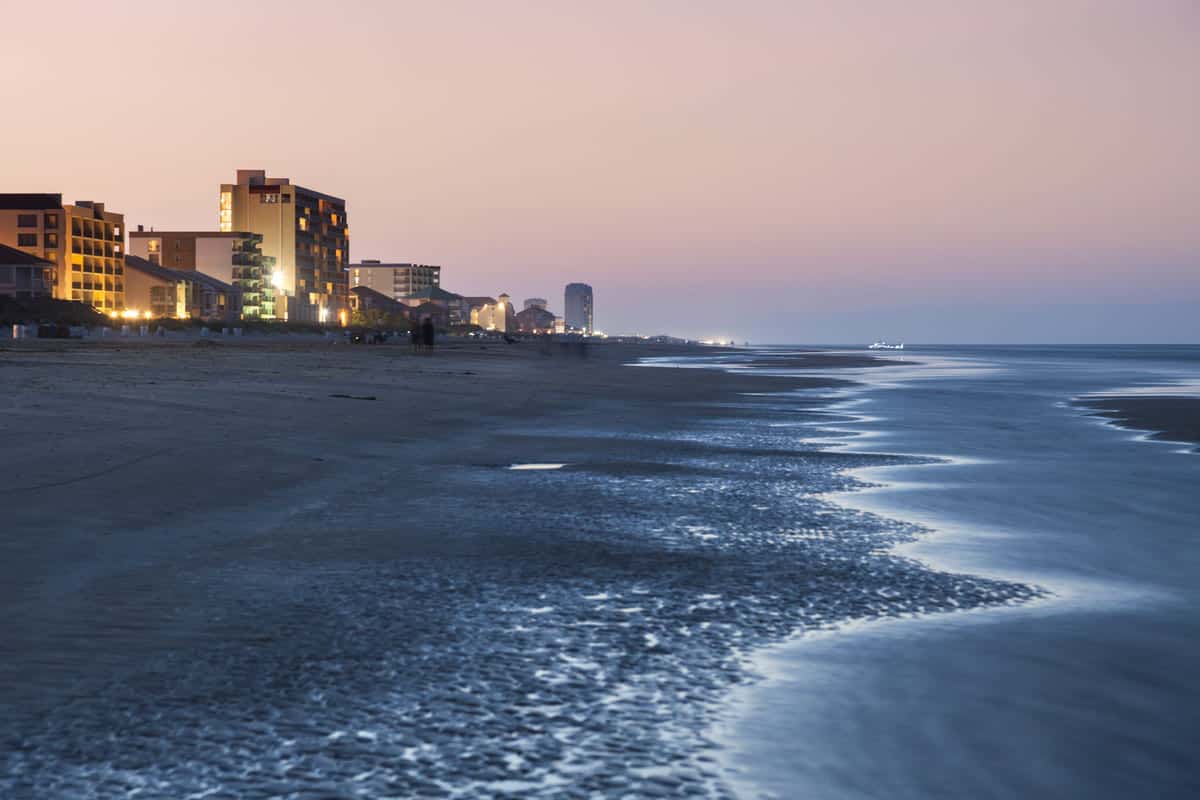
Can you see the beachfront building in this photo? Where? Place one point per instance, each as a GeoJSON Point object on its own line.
{"type": "Point", "coordinates": [369, 307]}
{"type": "Point", "coordinates": [35, 225]}
{"type": "Point", "coordinates": [232, 257]}
{"type": "Point", "coordinates": [455, 305]}
{"type": "Point", "coordinates": [305, 234]}
{"type": "Point", "coordinates": [578, 308]}
{"type": "Point", "coordinates": [434, 312]}
{"type": "Point", "coordinates": [25, 276]}
{"type": "Point", "coordinates": [474, 303]}
{"type": "Point", "coordinates": [535, 302]}
{"type": "Point", "coordinates": [535, 319]}
{"type": "Point", "coordinates": [84, 242]}
{"type": "Point", "coordinates": [496, 316]}
{"type": "Point", "coordinates": [160, 292]}
{"type": "Point", "coordinates": [394, 279]}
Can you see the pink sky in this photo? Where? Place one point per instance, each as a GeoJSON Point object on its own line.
{"type": "Point", "coordinates": [787, 171]}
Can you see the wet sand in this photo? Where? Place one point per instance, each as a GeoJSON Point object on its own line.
{"type": "Point", "coordinates": [263, 569]}
{"type": "Point", "coordinates": [1168, 419]}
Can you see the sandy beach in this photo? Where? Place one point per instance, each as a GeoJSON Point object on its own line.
{"type": "Point", "coordinates": [291, 569]}
{"type": "Point", "coordinates": [1166, 418]}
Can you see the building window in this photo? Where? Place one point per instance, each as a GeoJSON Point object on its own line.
{"type": "Point", "coordinates": [52, 220]}
{"type": "Point", "coordinates": [304, 223]}
{"type": "Point", "coordinates": [27, 239]}
{"type": "Point", "coordinates": [26, 220]}
{"type": "Point", "coordinates": [156, 259]}
{"type": "Point", "coordinates": [51, 240]}
{"type": "Point", "coordinates": [116, 231]}
{"type": "Point", "coordinates": [225, 219]}
{"type": "Point", "coordinates": [287, 198]}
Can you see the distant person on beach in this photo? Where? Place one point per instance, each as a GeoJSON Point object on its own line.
{"type": "Point", "coordinates": [427, 334]}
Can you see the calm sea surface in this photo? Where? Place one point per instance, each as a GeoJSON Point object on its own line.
{"type": "Point", "coordinates": [1092, 692]}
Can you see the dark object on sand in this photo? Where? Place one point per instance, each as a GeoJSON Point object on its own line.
{"type": "Point", "coordinates": [428, 333]}
{"type": "Point", "coordinates": [1167, 418]}
{"type": "Point", "coordinates": [354, 396]}
{"type": "Point", "coordinates": [54, 332]}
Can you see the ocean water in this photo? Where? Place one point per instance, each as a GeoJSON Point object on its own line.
{"type": "Point", "coordinates": [943, 580]}
{"type": "Point", "coordinates": [1089, 692]}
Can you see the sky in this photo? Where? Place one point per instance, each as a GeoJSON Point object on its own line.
{"type": "Point", "coordinates": [841, 171]}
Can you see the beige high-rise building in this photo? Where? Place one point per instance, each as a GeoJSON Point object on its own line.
{"type": "Point", "coordinates": [305, 232]}
{"type": "Point", "coordinates": [397, 281]}
{"type": "Point", "coordinates": [84, 242]}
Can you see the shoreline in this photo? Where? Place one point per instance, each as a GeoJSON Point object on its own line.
{"type": "Point", "coordinates": [629, 571]}
{"type": "Point", "coordinates": [1171, 419]}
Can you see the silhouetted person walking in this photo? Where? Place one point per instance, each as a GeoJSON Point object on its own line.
{"type": "Point", "coordinates": [427, 334]}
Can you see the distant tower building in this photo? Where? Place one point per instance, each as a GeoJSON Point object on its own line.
{"type": "Point", "coordinates": [578, 307]}
{"type": "Point", "coordinates": [536, 302]}
{"type": "Point", "coordinates": [304, 232]}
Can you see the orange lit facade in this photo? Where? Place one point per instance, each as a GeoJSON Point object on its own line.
{"type": "Point", "coordinates": [304, 232]}
{"type": "Point", "coordinates": [84, 242]}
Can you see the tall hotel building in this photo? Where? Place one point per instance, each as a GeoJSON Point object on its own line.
{"type": "Point", "coordinates": [304, 232]}
{"type": "Point", "coordinates": [84, 242]}
{"type": "Point", "coordinates": [397, 281]}
{"type": "Point", "coordinates": [578, 307]}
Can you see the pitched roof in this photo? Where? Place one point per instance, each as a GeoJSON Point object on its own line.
{"type": "Point", "coordinates": [367, 291]}
{"type": "Point", "coordinates": [19, 201]}
{"type": "Point", "coordinates": [11, 257]}
{"type": "Point", "coordinates": [535, 313]}
{"type": "Point", "coordinates": [167, 274]}
{"type": "Point", "coordinates": [433, 293]}
{"type": "Point", "coordinates": [154, 270]}
{"type": "Point", "coordinates": [200, 277]}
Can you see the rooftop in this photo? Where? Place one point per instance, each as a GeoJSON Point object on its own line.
{"type": "Point", "coordinates": [167, 274]}
{"type": "Point", "coordinates": [140, 234]}
{"type": "Point", "coordinates": [17, 201]}
{"type": "Point", "coordinates": [258, 178]}
{"type": "Point", "coordinates": [368, 263]}
{"type": "Point", "coordinates": [12, 257]}
{"type": "Point", "coordinates": [433, 293]}
{"type": "Point", "coordinates": [154, 270]}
